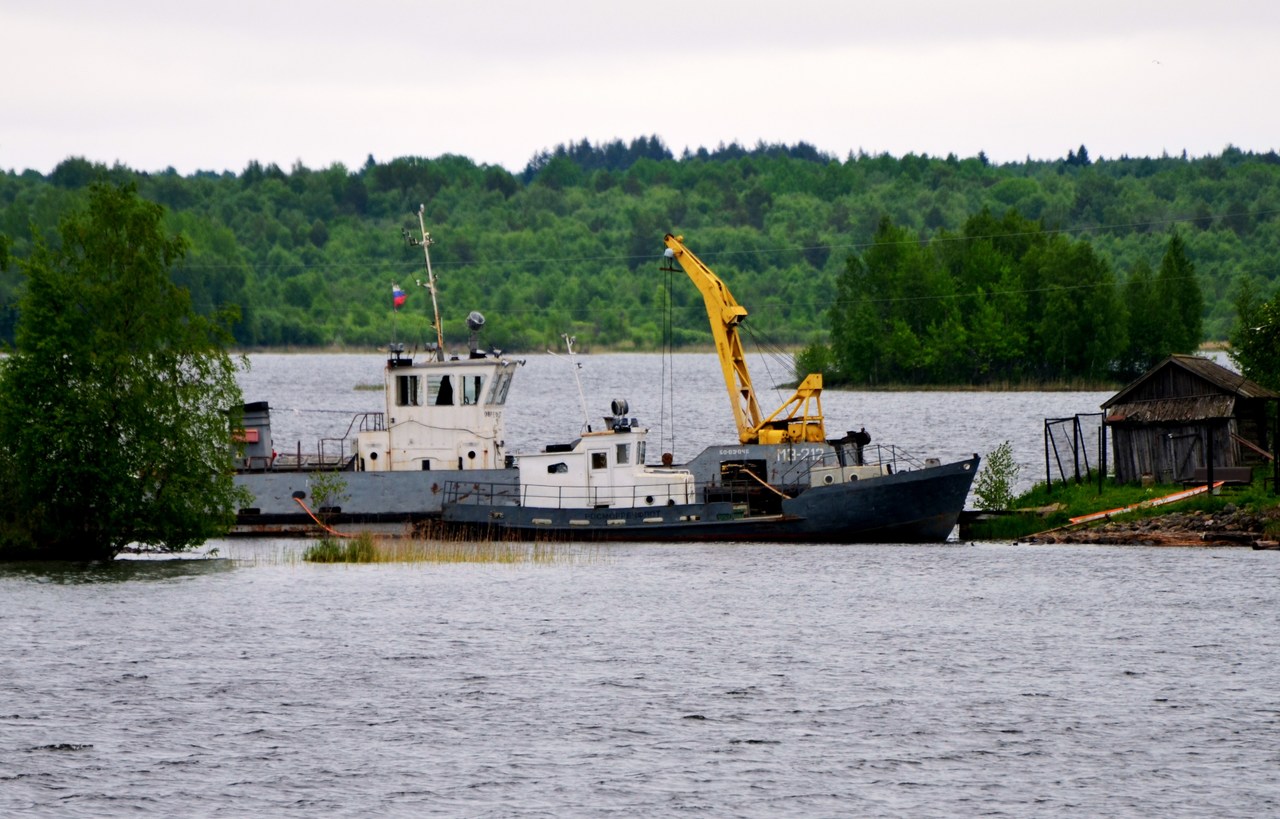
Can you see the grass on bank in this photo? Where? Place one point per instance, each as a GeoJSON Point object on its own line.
{"type": "Point", "coordinates": [369, 548]}
{"type": "Point", "coordinates": [1069, 500]}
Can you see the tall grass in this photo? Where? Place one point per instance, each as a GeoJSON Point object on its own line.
{"type": "Point", "coordinates": [370, 548]}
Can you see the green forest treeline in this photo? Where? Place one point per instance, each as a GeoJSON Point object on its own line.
{"type": "Point", "coordinates": [889, 269]}
{"type": "Point", "coordinates": [1003, 301]}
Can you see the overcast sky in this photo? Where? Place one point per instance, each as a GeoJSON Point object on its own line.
{"type": "Point", "coordinates": [214, 85]}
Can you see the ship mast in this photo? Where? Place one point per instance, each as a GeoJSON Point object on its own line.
{"type": "Point", "coordinates": [431, 282]}
{"type": "Point", "coordinates": [573, 362]}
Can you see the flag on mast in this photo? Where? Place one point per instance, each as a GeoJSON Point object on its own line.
{"type": "Point", "coordinates": [397, 296]}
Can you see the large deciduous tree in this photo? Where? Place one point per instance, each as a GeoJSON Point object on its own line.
{"type": "Point", "coordinates": [114, 407]}
{"type": "Point", "coordinates": [1080, 329]}
{"type": "Point", "coordinates": [1255, 340]}
{"type": "Point", "coordinates": [894, 313]}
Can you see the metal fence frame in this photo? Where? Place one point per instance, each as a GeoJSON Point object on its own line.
{"type": "Point", "coordinates": [1078, 449]}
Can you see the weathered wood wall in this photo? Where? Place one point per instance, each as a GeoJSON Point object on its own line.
{"type": "Point", "coordinates": [1170, 452]}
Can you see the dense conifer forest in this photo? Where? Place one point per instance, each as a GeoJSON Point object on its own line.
{"type": "Point", "coordinates": [911, 269]}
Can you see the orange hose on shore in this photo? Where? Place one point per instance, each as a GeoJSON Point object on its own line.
{"type": "Point", "coordinates": [1176, 496]}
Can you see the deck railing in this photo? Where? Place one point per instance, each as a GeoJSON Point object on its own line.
{"type": "Point", "coordinates": [894, 457]}
{"type": "Point", "coordinates": [330, 453]}
{"type": "Point", "coordinates": [545, 496]}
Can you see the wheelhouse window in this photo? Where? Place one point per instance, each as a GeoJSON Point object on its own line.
{"type": "Point", "coordinates": [623, 455]}
{"type": "Point", "coordinates": [640, 452]}
{"type": "Point", "coordinates": [440, 390]}
{"type": "Point", "coordinates": [501, 383]}
{"type": "Point", "coordinates": [408, 391]}
{"type": "Point", "coordinates": [472, 388]}
{"type": "Point", "coordinates": [599, 460]}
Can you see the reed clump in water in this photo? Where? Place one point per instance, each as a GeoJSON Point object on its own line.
{"type": "Point", "coordinates": [369, 548]}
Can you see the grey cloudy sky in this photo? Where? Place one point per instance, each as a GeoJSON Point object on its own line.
{"type": "Point", "coordinates": [211, 86]}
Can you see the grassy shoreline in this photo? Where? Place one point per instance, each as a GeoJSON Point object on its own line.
{"type": "Point", "coordinates": [1042, 510]}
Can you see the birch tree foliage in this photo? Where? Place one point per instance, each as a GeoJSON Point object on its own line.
{"type": "Point", "coordinates": [119, 402]}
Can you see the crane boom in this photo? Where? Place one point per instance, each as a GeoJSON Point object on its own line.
{"type": "Point", "coordinates": [800, 417]}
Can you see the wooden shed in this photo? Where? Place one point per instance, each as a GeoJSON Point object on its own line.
{"type": "Point", "coordinates": [1182, 412]}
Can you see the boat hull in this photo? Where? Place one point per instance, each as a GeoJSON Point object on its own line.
{"type": "Point", "coordinates": [383, 500]}
{"type": "Point", "coordinates": [919, 506]}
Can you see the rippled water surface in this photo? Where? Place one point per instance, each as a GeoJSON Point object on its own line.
{"type": "Point", "coordinates": [725, 680]}
{"type": "Point", "coordinates": [649, 680]}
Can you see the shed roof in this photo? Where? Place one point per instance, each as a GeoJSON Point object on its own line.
{"type": "Point", "coordinates": [1215, 396]}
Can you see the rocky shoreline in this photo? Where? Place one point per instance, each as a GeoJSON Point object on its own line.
{"type": "Point", "coordinates": [1227, 527]}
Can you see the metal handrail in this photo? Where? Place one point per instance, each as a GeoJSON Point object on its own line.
{"type": "Point", "coordinates": [324, 456]}
{"type": "Point", "coordinates": [369, 422]}
{"type": "Point", "coordinates": [579, 496]}
{"type": "Point", "coordinates": [872, 455]}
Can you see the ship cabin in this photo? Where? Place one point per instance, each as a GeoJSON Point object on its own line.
{"type": "Point", "coordinates": [440, 414]}
{"type": "Point", "coordinates": [602, 470]}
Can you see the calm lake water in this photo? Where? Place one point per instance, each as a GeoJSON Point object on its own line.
{"type": "Point", "coordinates": [643, 679]}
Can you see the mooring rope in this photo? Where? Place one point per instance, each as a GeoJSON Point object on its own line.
{"type": "Point", "coordinates": [767, 485]}
{"type": "Point", "coordinates": [319, 522]}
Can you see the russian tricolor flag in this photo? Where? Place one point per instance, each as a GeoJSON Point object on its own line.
{"type": "Point", "coordinates": [397, 296]}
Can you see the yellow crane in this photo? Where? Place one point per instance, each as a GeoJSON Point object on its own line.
{"type": "Point", "coordinates": [796, 421]}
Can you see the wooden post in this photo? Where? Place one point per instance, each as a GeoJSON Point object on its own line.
{"type": "Point", "coordinates": [1075, 447]}
{"type": "Point", "coordinates": [1208, 460]}
{"type": "Point", "coordinates": [1048, 477]}
{"type": "Point", "coordinates": [1102, 456]}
